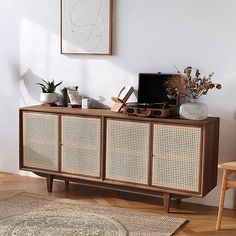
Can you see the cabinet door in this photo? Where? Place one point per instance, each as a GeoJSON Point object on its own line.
{"type": "Point", "coordinates": [81, 145]}
{"type": "Point", "coordinates": [40, 141]}
{"type": "Point", "coordinates": [177, 157]}
{"type": "Point", "coordinates": [127, 151]}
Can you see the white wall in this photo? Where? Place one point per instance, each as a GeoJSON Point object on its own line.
{"type": "Point", "coordinates": [149, 36]}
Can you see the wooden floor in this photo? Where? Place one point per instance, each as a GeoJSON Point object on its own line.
{"type": "Point", "coordinates": [202, 219]}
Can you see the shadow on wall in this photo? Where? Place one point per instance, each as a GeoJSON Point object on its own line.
{"type": "Point", "coordinates": [98, 103]}
{"type": "Point", "coordinates": [28, 86]}
{"type": "Point", "coordinates": [30, 91]}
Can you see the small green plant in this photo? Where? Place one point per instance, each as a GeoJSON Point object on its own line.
{"type": "Point", "coordinates": [48, 87]}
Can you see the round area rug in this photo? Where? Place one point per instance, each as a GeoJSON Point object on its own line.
{"type": "Point", "coordinates": [51, 224]}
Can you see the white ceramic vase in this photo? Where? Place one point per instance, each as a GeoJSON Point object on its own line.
{"type": "Point", "coordinates": [193, 110]}
{"type": "Point", "coordinates": [49, 97]}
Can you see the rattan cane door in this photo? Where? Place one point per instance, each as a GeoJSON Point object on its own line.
{"type": "Point", "coordinates": [81, 145]}
{"type": "Point", "coordinates": [177, 157]}
{"type": "Point", "coordinates": [40, 141]}
{"type": "Point", "coordinates": [127, 151]}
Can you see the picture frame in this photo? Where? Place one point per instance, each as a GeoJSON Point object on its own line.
{"type": "Point", "coordinates": [86, 27]}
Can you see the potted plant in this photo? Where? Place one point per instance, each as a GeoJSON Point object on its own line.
{"type": "Point", "coordinates": [48, 94]}
{"type": "Point", "coordinates": [190, 85]}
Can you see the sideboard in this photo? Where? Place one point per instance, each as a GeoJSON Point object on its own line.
{"type": "Point", "coordinates": [173, 157]}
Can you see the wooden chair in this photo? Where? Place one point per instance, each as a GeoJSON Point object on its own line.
{"type": "Point", "coordinates": [229, 168]}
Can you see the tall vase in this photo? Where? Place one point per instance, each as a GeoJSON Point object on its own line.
{"type": "Point", "coordinates": [193, 110]}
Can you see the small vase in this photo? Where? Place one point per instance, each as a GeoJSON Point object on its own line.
{"type": "Point", "coordinates": [193, 110]}
{"type": "Point", "coordinates": [49, 98]}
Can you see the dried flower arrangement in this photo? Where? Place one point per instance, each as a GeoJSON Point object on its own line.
{"type": "Point", "coordinates": [190, 85]}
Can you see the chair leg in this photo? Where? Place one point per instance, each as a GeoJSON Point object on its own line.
{"type": "Point", "coordinates": [235, 200]}
{"type": "Point", "coordinates": [222, 199]}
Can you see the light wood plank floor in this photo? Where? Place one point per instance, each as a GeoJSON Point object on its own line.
{"type": "Point", "coordinates": [202, 219]}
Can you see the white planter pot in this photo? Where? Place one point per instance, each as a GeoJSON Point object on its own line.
{"type": "Point", "coordinates": [49, 97]}
{"type": "Point", "coordinates": [193, 110]}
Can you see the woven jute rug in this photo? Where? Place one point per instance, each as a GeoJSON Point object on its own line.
{"type": "Point", "coordinates": [26, 214]}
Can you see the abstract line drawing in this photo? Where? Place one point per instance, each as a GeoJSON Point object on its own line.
{"type": "Point", "coordinates": [86, 26]}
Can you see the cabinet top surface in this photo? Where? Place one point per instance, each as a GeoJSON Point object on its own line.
{"type": "Point", "coordinates": [109, 114]}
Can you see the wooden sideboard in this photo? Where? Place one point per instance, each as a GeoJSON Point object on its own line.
{"type": "Point", "coordinates": [174, 157]}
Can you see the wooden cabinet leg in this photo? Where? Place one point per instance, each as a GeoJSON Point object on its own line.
{"type": "Point", "coordinates": [49, 180]}
{"type": "Point", "coordinates": [67, 185]}
{"type": "Point", "coordinates": [222, 199]}
{"type": "Point", "coordinates": [166, 198]}
{"type": "Point", "coordinates": [178, 201]}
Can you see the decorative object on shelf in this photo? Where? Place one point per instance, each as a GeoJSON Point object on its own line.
{"type": "Point", "coordinates": [86, 27]}
{"type": "Point", "coordinates": [191, 87]}
{"type": "Point", "coordinates": [64, 97]}
{"type": "Point", "coordinates": [48, 94]}
{"type": "Point", "coordinates": [73, 94]}
{"type": "Point", "coordinates": [193, 110]}
{"type": "Point", "coordinates": [153, 99]}
{"type": "Point", "coordinates": [122, 97]}
{"type": "Point", "coordinates": [86, 103]}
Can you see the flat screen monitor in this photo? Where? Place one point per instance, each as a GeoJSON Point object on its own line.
{"type": "Point", "coordinates": [152, 88]}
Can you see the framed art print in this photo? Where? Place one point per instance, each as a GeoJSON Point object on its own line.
{"type": "Point", "coordinates": [86, 26]}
